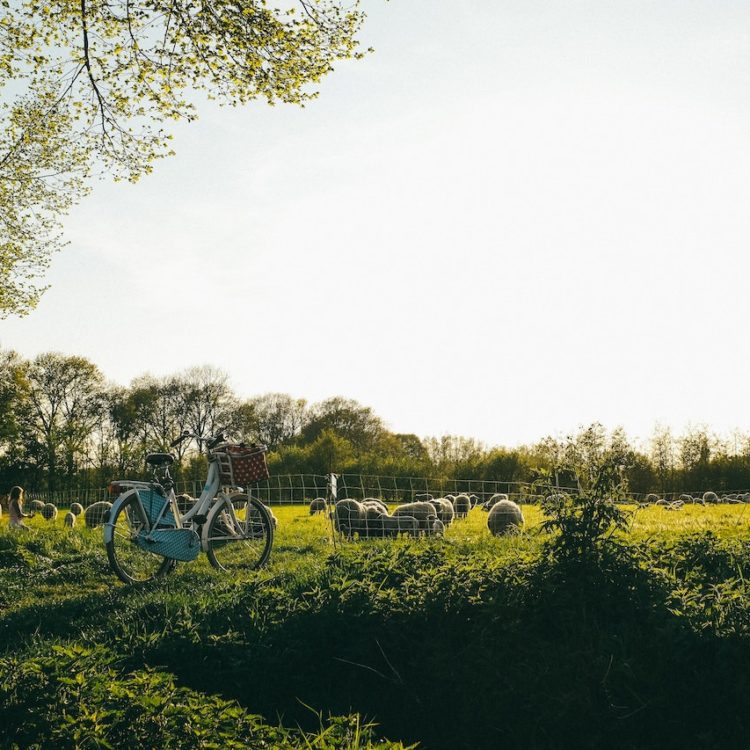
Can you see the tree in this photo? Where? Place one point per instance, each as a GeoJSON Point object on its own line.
{"type": "Point", "coordinates": [207, 403]}
{"type": "Point", "coordinates": [62, 408]}
{"type": "Point", "coordinates": [275, 418]}
{"type": "Point", "coordinates": [97, 81]}
{"type": "Point", "coordinates": [356, 423]}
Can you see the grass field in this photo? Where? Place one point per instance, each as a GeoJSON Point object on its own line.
{"type": "Point", "coordinates": [467, 641]}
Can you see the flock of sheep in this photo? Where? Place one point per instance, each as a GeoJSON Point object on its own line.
{"type": "Point", "coordinates": [370, 518]}
{"type": "Point", "coordinates": [426, 516]}
{"type": "Point", "coordinates": [93, 516]}
{"type": "Point", "coordinates": [707, 498]}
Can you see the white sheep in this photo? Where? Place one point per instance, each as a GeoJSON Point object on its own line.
{"type": "Point", "coordinates": [318, 505]}
{"type": "Point", "coordinates": [424, 512]}
{"type": "Point", "coordinates": [710, 497]}
{"type": "Point", "coordinates": [70, 520]}
{"type": "Point", "coordinates": [474, 500]}
{"type": "Point", "coordinates": [651, 498]}
{"type": "Point", "coordinates": [496, 498]}
{"type": "Point", "coordinates": [374, 502]}
{"type": "Point", "coordinates": [504, 516]}
{"type": "Point", "coordinates": [348, 516]}
{"type": "Point", "coordinates": [76, 509]}
{"type": "Point", "coordinates": [462, 506]}
{"type": "Point", "coordinates": [398, 524]}
{"type": "Point", "coordinates": [444, 509]}
{"type": "Point", "coordinates": [96, 514]}
{"type": "Point", "coordinates": [37, 506]}
{"type": "Point", "coordinates": [49, 512]}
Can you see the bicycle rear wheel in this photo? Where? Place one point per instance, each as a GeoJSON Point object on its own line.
{"type": "Point", "coordinates": [238, 538]}
{"type": "Point", "coordinates": [132, 563]}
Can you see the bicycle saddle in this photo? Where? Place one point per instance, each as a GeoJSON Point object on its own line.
{"type": "Point", "coordinates": [159, 459]}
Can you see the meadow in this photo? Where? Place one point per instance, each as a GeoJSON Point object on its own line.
{"type": "Point", "coordinates": [468, 641]}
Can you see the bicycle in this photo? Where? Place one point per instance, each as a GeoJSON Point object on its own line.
{"type": "Point", "coordinates": [146, 534]}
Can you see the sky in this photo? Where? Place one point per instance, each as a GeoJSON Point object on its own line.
{"type": "Point", "coordinates": [512, 219]}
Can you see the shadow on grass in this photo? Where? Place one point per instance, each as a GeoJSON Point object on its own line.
{"type": "Point", "coordinates": [555, 655]}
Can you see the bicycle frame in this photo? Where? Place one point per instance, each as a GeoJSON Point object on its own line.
{"type": "Point", "coordinates": [211, 489]}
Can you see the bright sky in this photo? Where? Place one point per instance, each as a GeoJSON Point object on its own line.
{"type": "Point", "coordinates": [516, 217]}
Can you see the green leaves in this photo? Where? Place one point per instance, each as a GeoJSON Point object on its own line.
{"type": "Point", "coordinates": [98, 79]}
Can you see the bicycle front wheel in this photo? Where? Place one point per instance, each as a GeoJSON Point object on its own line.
{"type": "Point", "coordinates": [238, 538]}
{"type": "Point", "coordinates": [132, 563]}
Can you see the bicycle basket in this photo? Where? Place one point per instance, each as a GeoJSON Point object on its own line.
{"type": "Point", "coordinates": [152, 503]}
{"type": "Point", "coordinates": [240, 466]}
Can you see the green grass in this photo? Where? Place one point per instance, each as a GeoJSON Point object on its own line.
{"type": "Point", "coordinates": [467, 641]}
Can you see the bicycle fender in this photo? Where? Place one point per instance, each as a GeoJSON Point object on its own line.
{"type": "Point", "coordinates": [108, 526]}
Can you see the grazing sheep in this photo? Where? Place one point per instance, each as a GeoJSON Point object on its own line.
{"type": "Point", "coordinates": [373, 502]}
{"type": "Point", "coordinates": [444, 509]}
{"type": "Point", "coordinates": [49, 512]}
{"type": "Point", "coordinates": [425, 496]}
{"type": "Point", "coordinates": [436, 528]}
{"type": "Point", "coordinates": [504, 516]}
{"type": "Point", "coordinates": [76, 509]}
{"type": "Point", "coordinates": [674, 505]}
{"type": "Point", "coordinates": [710, 497]}
{"type": "Point", "coordinates": [424, 512]}
{"type": "Point", "coordinates": [97, 514]}
{"type": "Point", "coordinates": [348, 516]}
{"type": "Point", "coordinates": [686, 498]}
{"type": "Point", "coordinates": [397, 524]}
{"type": "Point", "coordinates": [37, 506]}
{"type": "Point", "coordinates": [318, 505]}
{"type": "Point", "coordinates": [661, 501]}
{"type": "Point", "coordinates": [496, 498]}
{"type": "Point", "coordinates": [474, 500]}
{"type": "Point", "coordinates": [70, 520]}
{"type": "Point", "coordinates": [462, 506]}
{"type": "Point", "coordinates": [651, 498]}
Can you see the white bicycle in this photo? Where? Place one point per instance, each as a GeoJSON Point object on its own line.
{"type": "Point", "coordinates": [145, 533]}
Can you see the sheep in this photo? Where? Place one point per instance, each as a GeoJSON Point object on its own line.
{"type": "Point", "coordinates": [318, 505]}
{"type": "Point", "coordinates": [423, 496]}
{"type": "Point", "coordinates": [37, 506]}
{"type": "Point", "coordinates": [436, 528]}
{"type": "Point", "coordinates": [651, 498]}
{"type": "Point", "coordinates": [676, 505]}
{"type": "Point", "coordinates": [710, 497]}
{"type": "Point", "coordinates": [70, 520]}
{"type": "Point", "coordinates": [49, 512]}
{"type": "Point", "coordinates": [660, 501]}
{"type": "Point", "coordinates": [686, 498]}
{"type": "Point", "coordinates": [424, 512]}
{"type": "Point", "coordinates": [398, 524]}
{"type": "Point", "coordinates": [462, 506]}
{"type": "Point", "coordinates": [348, 516]}
{"type": "Point", "coordinates": [97, 514]}
{"type": "Point", "coordinates": [444, 509]}
{"type": "Point", "coordinates": [76, 509]}
{"type": "Point", "coordinates": [474, 500]}
{"type": "Point", "coordinates": [496, 498]}
{"type": "Point", "coordinates": [504, 516]}
{"type": "Point", "coordinates": [373, 502]}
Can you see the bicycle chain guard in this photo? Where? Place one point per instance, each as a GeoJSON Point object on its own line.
{"type": "Point", "coordinates": [177, 544]}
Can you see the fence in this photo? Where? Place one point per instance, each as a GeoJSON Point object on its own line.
{"type": "Point", "coordinates": [298, 489]}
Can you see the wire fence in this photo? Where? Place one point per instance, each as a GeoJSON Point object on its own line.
{"type": "Point", "coordinates": [300, 489]}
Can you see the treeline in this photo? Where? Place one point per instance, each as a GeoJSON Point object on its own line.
{"type": "Point", "coordinates": [64, 427]}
